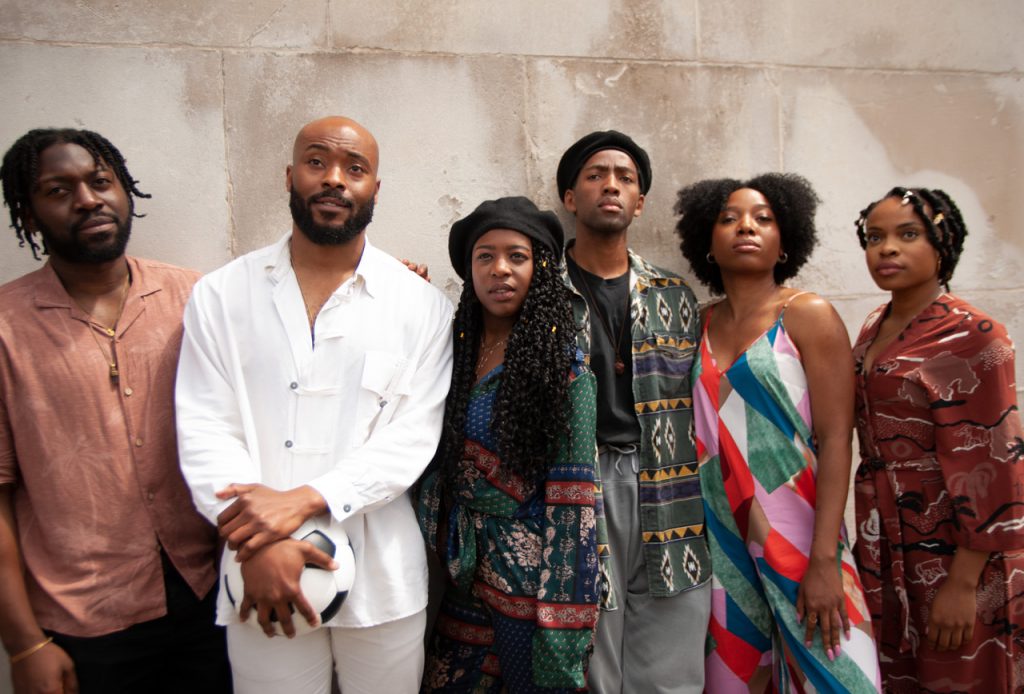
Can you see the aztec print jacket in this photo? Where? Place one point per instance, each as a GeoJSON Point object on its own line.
{"type": "Point", "coordinates": [665, 330]}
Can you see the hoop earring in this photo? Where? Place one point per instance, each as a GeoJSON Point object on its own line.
{"type": "Point", "coordinates": [783, 258]}
{"type": "Point", "coordinates": [710, 258]}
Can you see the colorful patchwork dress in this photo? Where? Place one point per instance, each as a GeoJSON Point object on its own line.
{"type": "Point", "coordinates": [757, 472]}
{"type": "Point", "coordinates": [520, 604]}
{"type": "Point", "coordinates": [942, 467]}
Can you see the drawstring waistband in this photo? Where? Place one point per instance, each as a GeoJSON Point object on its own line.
{"type": "Point", "coordinates": [619, 452]}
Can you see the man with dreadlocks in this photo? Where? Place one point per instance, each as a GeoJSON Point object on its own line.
{"type": "Point", "coordinates": [106, 570]}
{"type": "Point", "coordinates": [639, 331]}
{"type": "Point", "coordinates": [940, 487]}
{"type": "Point", "coordinates": [312, 381]}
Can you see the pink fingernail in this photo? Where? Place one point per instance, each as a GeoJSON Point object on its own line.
{"type": "Point", "coordinates": [837, 650]}
{"type": "Point", "coordinates": [807, 643]}
{"type": "Point", "coordinates": [829, 654]}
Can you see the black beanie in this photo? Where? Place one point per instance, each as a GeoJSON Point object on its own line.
{"type": "Point", "coordinates": [588, 145]}
{"type": "Point", "coordinates": [516, 213]}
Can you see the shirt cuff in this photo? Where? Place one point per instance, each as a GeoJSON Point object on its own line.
{"type": "Point", "coordinates": [342, 498]}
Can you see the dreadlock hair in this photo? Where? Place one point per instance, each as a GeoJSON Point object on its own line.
{"type": "Point", "coordinates": [792, 199]}
{"type": "Point", "coordinates": [944, 225]}
{"type": "Point", "coordinates": [530, 407]}
{"type": "Point", "coordinates": [20, 170]}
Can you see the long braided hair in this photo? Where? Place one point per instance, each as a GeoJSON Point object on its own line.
{"type": "Point", "coordinates": [530, 410]}
{"type": "Point", "coordinates": [20, 170]}
{"type": "Point", "coordinates": [944, 227]}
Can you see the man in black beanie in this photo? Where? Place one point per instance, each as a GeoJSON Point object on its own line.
{"type": "Point", "coordinates": [639, 331]}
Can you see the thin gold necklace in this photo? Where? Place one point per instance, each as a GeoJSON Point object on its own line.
{"type": "Point", "coordinates": [115, 373]}
{"type": "Point", "coordinates": [486, 352]}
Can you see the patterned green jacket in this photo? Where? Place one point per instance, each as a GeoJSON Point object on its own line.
{"type": "Point", "coordinates": [665, 322]}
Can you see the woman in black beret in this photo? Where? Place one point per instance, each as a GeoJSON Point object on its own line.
{"type": "Point", "coordinates": [509, 504]}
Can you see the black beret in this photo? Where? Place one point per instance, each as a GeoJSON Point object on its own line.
{"type": "Point", "coordinates": [588, 145]}
{"type": "Point", "coordinates": [516, 213]}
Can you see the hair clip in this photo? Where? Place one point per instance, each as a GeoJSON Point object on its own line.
{"type": "Point", "coordinates": [462, 336]}
{"type": "Point", "coordinates": [543, 263]}
{"type": "Point", "coordinates": [937, 219]}
{"type": "Point", "coordinates": [907, 197]}
{"type": "Point", "coordinates": [554, 328]}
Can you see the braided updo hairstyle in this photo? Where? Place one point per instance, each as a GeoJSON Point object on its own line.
{"type": "Point", "coordinates": [944, 226]}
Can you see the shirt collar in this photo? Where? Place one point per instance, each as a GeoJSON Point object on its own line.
{"type": "Point", "coordinates": [368, 271]}
{"type": "Point", "coordinates": [50, 291]}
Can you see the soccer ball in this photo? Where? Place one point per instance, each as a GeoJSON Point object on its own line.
{"type": "Point", "coordinates": [324, 590]}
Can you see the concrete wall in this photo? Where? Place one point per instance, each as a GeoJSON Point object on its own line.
{"type": "Point", "coordinates": [471, 100]}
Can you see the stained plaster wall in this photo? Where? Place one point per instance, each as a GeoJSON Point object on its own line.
{"type": "Point", "coordinates": [471, 100]}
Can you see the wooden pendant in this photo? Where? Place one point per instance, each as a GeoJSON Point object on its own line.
{"type": "Point", "coordinates": [620, 367]}
{"type": "Point", "coordinates": [115, 375]}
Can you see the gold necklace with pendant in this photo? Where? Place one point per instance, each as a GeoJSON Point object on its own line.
{"type": "Point", "coordinates": [115, 373]}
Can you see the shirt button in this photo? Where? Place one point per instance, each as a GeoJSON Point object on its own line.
{"type": "Point", "coordinates": [128, 392]}
{"type": "Point", "coordinates": [293, 385]}
{"type": "Point", "coordinates": [346, 508]}
{"type": "Point", "coordinates": [288, 444]}
{"type": "Point", "coordinates": [138, 443]}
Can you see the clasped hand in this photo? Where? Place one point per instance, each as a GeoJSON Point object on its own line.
{"type": "Point", "coordinates": [271, 579]}
{"type": "Point", "coordinates": [258, 516]}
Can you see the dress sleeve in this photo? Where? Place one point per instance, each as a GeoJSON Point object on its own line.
{"type": "Point", "coordinates": [567, 595]}
{"type": "Point", "coordinates": [978, 439]}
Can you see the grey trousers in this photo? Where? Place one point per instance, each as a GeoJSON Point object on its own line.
{"type": "Point", "coordinates": [649, 645]}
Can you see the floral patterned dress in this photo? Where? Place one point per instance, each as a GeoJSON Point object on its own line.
{"type": "Point", "coordinates": [942, 466]}
{"type": "Point", "coordinates": [521, 601]}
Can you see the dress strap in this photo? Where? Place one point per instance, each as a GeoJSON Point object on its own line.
{"type": "Point", "coordinates": [789, 301]}
{"type": "Point", "coordinates": [708, 310]}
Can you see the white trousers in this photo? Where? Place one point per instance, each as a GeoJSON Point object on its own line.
{"type": "Point", "coordinates": [369, 660]}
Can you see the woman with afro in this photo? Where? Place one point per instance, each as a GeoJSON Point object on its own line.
{"type": "Point", "coordinates": [509, 505]}
{"type": "Point", "coordinates": [773, 408]}
{"type": "Point", "coordinates": [940, 486]}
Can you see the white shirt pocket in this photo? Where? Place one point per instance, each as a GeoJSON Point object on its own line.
{"type": "Point", "coordinates": [385, 380]}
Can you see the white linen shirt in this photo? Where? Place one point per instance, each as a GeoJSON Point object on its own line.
{"type": "Point", "coordinates": [357, 416]}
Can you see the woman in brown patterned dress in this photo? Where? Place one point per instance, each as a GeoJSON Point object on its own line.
{"type": "Point", "coordinates": [940, 487]}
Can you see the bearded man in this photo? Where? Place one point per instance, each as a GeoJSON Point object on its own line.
{"type": "Point", "coordinates": [311, 383]}
{"type": "Point", "coordinates": [106, 570]}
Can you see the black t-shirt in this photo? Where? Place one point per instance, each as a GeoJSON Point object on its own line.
{"type": "Point", "coordinates": [616, 418]}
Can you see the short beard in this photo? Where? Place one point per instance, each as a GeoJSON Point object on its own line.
{"type": "Point", "coordinates": [71, 250]}
{"type": "Point", "coordinates": [325, 235]}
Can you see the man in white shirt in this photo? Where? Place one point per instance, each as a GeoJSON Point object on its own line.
{"type": "Point", "coordinates": [312, 381]}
